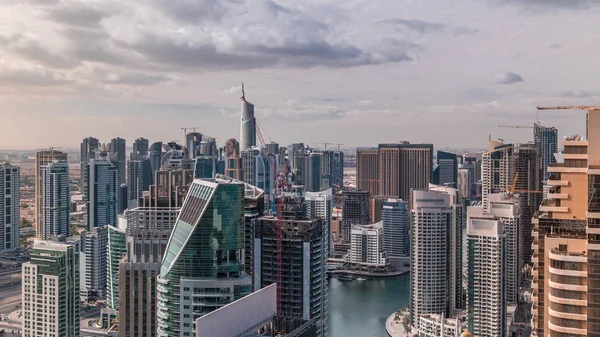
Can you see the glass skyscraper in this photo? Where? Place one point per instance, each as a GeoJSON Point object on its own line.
{"type": "Point", "coordinates": [203, 269]}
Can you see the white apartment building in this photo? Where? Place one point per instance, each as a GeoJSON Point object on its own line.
{"type": "Point", "coordinates": [366, 245]}
{"type": "Point", "coordinates": [486, 304]}
{"type": "Point", "coordinates": [433, 325]}
{"type": "Point", "coordinates": [318, 205]}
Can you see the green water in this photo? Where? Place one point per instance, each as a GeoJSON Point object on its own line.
{"type": "Point", "coordinates": [360, 309]}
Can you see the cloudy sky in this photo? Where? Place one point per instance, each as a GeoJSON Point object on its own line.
{"type": "Point", "coordinates": [356, 72]}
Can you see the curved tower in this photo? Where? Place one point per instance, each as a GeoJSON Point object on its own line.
{"type": "Point", "coordinates": [248, 125]}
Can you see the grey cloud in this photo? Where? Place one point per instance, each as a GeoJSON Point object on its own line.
{"type": "Point", "coordinates": [39, 77]}
{"type": "Point", "coordinates": [30, 49]}
{"type": "Point", "coordinates": [192, 11]}
{"type": "Point", "coordinates": [424, 27]}
{"type": "Point", "coordinates": [508, 78]}
{"type": "Point", "coordinates": [76, 15]}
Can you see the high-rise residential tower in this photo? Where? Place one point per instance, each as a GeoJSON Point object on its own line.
{"type": "Point", "coordinates": [10, 216]}
{"type": "Point", "coordinates": [486, 304]}
{"type": "Point", "coordinates": [546, 138]}
{"type": "Point", "coordinates": [337, 170]}
{"type": "Point", "coordinates": [50, 297]}
{"type": "Point", "coordinates": [140, 146]}
{"type": "Point", "coordinates": [404, 167]}
{"type": "Point", "coordinates": [43, 157]}
{"type": "Point", "coordinates": [304, 289]}
{"type": "Point", "coordinates": [101, 193]}
{"type": "Point", "coordinates": [355, 211]}
{"type": "Point", "coordinates": [395, 216]}
{"type": "Point", "coordinates": [319, 205]}
{"type": "Point", "coordinates": [56, 200]}
{"type": "Point", "coordinates": [204, 253]}
{"type": "Point", "coordinates": [436, 266]}
{"type": "Point", "coordinates": [88, 151]}
{"type": "Point", "coordinates": [248, 124]}
{"type": "Point", "coordinates": [139, 178]}
{"type": "Point", "coordinates": [367, 169]}
{"type": "Point", "coordinates": [118, 157]}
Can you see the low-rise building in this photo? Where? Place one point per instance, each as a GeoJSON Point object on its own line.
{"type": "Point", "coordinates": [366, 245]}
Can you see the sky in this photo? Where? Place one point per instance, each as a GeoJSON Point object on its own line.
{"type": "Point", "coordinates": [354, 72]}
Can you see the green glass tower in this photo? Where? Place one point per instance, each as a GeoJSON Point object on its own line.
{"type": "Point", "coordinates": [203, 268]}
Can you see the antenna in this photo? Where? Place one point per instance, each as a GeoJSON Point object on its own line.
{"type": "Point", "coordinates": [243, 94]}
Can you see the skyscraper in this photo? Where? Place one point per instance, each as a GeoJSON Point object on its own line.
{"type": "Point", "coordinates": [88, 151]}
{"type": "Point", "coordinates": [546, 138]}
{"type": "Point", "coordinates": [95, 254]}
{"type": "Point", "coordinates": [148, 229]}
{"type": "Point", "coordinates": [446, 170]}
{"type": "Point", "coordinates": [355, 211]}
{"type": "Point", "coordinates": [367, 169]}
{"type": "Point", "coordinates": [315, 172]}
{"type": "Point", "coordinates": [337, 170]}
{"type": "Point", "coordinates": [404, 167]}
{"type": "Point", "coordinates": [10, 196]}
{"type": "Point", "coordinates": [201, 257]}
{"type": "Point", "coordinates": [561, 220]}
{"type": "Point", "coordinates": [118, 157]}
{"type": "Point", "coordinates": [396, 220]}
{"type": "Point", "coordinates": [248, 124]}
{"type": "Point", "coordinates": [304, 289]}
{"type": "Point", "coordinates": [497, 170]}
{"type": "Point", "coordinates": [155, 154]}
{"type": "Point", "coordinates": [139, 178]}
{"type": "Point", "coordinates": [56, 200]}
{"type": "Point", "coordinates": [436, 266]}
{"type": "Point", "coordinates": [140, 146]}
{"type": "Point", "coordinates": [116, 250]}
{"type": "Point", "coordinates": [486, 305]}
{"type": "Point", "coordinates": [101, 193]}
{"type": "Point", "coordinates": [50, 296]}
{"type": "Point", "coordinates": [43, 157]}
{"type": "Point", "coordinates": [319, 205]}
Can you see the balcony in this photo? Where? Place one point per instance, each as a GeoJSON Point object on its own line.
{"type": "Point", "coordinates": [557, 183]}
{"type": "Point", "coordinates": [572, 331]}
{"type": "Point", "coordinates": [562, 196]}
{"type": "Point", "coordinates": [555, 209]}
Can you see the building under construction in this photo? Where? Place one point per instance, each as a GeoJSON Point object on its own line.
{"type": "Point", "coordinates": [301, 268]}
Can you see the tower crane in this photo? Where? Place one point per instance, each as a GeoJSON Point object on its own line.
{"type": "Point", "coordinates": [516, 126]}
{"type": "Point", "coordinates": [570, 107]}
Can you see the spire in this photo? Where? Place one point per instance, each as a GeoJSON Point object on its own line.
{"type": "Point", "coordinates": [243, 94]}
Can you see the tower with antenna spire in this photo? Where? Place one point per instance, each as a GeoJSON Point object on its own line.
{"type": "Point", "coordinates": [248, 124]}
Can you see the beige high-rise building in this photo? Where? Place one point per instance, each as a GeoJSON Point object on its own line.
{"type": "Point", "coordinates": [367, 169]}
{"type": "Point", "coordinates": [404, 167]}
{"type": "Point", "coordinates": [43, 157]}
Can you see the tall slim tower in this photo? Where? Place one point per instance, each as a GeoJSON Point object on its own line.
{"type": "Point", "coordinates": [101, 193]}
{"type": "Point", "coordinates": [486, 305]}
{"type": "Point", "coordinates": [88, 151]}
{"type": "Point", "coordinates": [56, 199]}
{"type": "Point", "coordinates": [355, 211]}
{"type": "Point", "coordinates": [436, 266]}
{"type": "Point", "coordinates": [319, 205]}
{"type": "Point", "coordinates": [10, 197]}
{"type": "Point", "coordinates": [51, 290]}
{"type": "Point", "coordinates": [546, 138]}
{"type": "Point", "coordinates": [43, 157]}
{"type": "Point", "coordinates": [118, 157]}
{"type": "Point", "coordinates": [248, 124]}
{"type": "Point", "coordinates": [201, 257]}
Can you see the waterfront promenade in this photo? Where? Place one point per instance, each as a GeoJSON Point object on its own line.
{"type": "Point", "coordinates": [394, 327]}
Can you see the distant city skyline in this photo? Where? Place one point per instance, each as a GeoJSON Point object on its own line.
{"type": "Point", "coordinates": [435, 72]}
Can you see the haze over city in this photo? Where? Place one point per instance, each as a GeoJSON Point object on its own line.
{"type": "Point", "coordinates": [354, 72]}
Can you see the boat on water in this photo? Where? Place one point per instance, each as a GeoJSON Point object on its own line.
{"type": "Point", "coordinates": [361, 279]}
{"type": "Point", "coordinates": [345, 277]}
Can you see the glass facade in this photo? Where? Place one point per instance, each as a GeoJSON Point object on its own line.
{"type": "Point", "coordinates": [204, 250]}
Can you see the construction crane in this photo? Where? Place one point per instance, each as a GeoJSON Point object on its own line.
{"type": "Point", "coordinates": [280, 183]}
{"type": "Point", "coordinates": [516, 126]}
{"type": "Point", "coordinates": [512, 189]}
{"type": "Point", "coordinates": [324, 143]}
{"type": "Point", "coordinates": [570, 107]}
